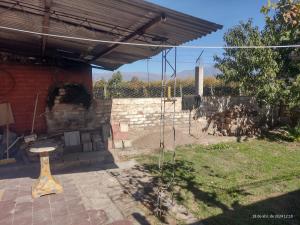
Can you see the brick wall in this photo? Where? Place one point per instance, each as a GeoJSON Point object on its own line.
{"type": "Point", "coordinates": [30, 80]}
{"type": "Point", "coordinates": [145, 112]}
{"type": "Point", "coordinates": [136, 112]}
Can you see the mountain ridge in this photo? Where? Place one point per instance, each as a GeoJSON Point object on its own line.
{"type": "Point", "coordinates": [208, 71]}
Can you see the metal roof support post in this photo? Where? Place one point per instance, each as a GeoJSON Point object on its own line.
{"type": "Point", "coordinates": [167, 65]}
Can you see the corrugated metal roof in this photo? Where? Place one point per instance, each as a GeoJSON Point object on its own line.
{"type": "Point", "coordinates": [106, 20]}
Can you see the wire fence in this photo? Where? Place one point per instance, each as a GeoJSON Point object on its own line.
{"type": "Point", "coordinates": [142, 89]}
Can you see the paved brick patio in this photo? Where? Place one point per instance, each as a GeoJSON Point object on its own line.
{"type": "Point", "coordinates": [92, 197]}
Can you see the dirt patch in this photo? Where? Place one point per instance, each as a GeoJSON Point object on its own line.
{"type": "Point", "coordinates": [150, 139]}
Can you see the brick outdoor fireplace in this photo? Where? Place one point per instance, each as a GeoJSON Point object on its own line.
{"type": "Point", "coordinates": [28, 80]}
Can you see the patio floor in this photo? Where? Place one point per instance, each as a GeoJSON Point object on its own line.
{"type": "Point", "coordinates": [91, 196]}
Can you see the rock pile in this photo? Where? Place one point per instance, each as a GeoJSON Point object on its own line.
{"type": "Point", "coordinates": [237, 120]}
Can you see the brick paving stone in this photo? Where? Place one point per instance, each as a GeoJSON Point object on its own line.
{"type": "Point", "coordinates": [121, 222]}
{"type": "Point", "coordinates": [92, 193]}
{"type": "Point", "coordinates": [57, 198]}
{"type": "Point", "coordinates": [41, 203]}
{"type": "Point", "coordinates": [70, 187]}
{"type": "Point", "coordinates": [7, 208]}
{"type": "Point", "coordinates": [25, 183]}
{"type": "Point", "coordinates": [58, 208]}
{"type": "Point", "coordinates": [10, 194]}
{"type": "Point", "coordinates": [2, 184]}
{"type": "Point", "coordinates": [23, 209]}
{"type": "Point", "coordinates": [22, 220]}
{"type": "Point", "coordinates": [23, 199]}
{"type": "Point", "coordinates": [97, 217]}
{"type": "Point", "coordinates": [1, 193]}
{"type": "Point", "coordinates": [113, 212]}
{"type": "Point", "coordinates": [70, 196]}
{"type": "Point", "coordinates": [102, 202]}
{"type": "Point", "coordinates": [12, 182]}
{"type": "Point", "coordinates": [6, 220]}
{"type": "Point", "coordinates": [24, 192]}
{"type": "Point", "coordinates": [75, 206]}
{"type": "Point", "coordinates": [42, 216]}
{"type": "Point", "coordinates": [80, 218]}
{"type": "Point", "coordinates": [62, 220]}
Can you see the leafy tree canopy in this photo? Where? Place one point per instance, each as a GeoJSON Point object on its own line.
{"type": "Point", "coordinates": [116, 80]}
{"type": "Point", "coordinates": [272, 75]}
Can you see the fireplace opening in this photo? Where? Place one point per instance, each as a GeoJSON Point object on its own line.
{"type": "Point", "coordinates": [69, 94]}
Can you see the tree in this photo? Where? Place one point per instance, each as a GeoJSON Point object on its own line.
{"type": "Point", "coordinates": [282, 28]}
{"type": "Point", "coordinates": [272, 75]}
{"type": "Point", "coordinates": [100, 88]}
{"type": "Point", "coordinates": [100, 83]}
{"type": "Point", "coordinates": [114, 84]}
{"type": "Point", "coordinates": [116, 79]}
{"type": "Point", "coordinates": [255, 70]}
{"type": "Point", "coordinates": [134, 79]}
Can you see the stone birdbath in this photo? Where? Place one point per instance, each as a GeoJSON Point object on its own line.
{"type": "Point", "coordinates": [46, 183]}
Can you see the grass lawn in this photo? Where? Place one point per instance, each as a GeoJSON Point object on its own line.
{"type": "Point", "coordinates": [233, 183]}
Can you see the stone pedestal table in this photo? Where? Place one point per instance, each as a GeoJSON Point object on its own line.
{"type": "Point", "coordinates": [46, 183]}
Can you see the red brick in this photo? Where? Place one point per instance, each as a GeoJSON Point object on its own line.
{"type": "Point", "coordinates": [62, 220]}
{"type": "Point", "coordinates": [6, 221]}
{"type": "Point", "coordinates": [120, 135]}
{"type": "Point", "coordinates": [6, 209]}
{"type": "Point", "coordinates": [33, 79]}
{"type": "Point", "coordinates": [80, 218]}
{"type": "Point", "coordinates": [22, 220]}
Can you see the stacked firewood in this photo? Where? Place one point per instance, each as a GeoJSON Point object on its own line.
{"type": "Point", "coordinates": [237, 120]}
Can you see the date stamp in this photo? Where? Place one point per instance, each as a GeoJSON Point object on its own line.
{"type": "Point", "coordinates": [273, 216]}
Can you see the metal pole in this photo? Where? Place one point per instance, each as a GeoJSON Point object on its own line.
{"type": "Point", "coordinates": [161, 144]}
{"type": "Point", "coordinates": [7, 130]}
{"type": "Point", "coordinates": [190, 122]}
{"type": "Point", "coordinates": [174, 102]}
{"type": "Point", "coordinates": [34, 112]}
{"type": "Point", "coordinates": [148, 72]}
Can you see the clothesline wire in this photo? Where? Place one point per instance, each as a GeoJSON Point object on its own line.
{"type": "Point", "coordinates": [147, 45]}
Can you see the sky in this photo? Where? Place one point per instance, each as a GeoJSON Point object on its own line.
{"type": "Point", "coordinates": [225, 12]}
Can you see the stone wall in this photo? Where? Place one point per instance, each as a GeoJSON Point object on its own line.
{"type": "Point", "coordinates": [140, 113]}
{"type": "Point", "coordinates": [211, 105]}
{"type": "Point", "coordinates": [136, 112]}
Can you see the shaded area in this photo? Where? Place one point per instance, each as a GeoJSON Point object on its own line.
{"type": "Point", "coordinates": [220, 183]}
{"type": "Point", "coordinates": [287, 134]}
{"type": "Point", "coordinates": [185, 178]}
{"type": "Point", "coordinates": [140, 219]}
{"type": "Point", "coordinates": [32, 170]}
{"type": "Point", "coordinates": [276, 135]}
{"type": "Point", "coordinates": [284, 209]}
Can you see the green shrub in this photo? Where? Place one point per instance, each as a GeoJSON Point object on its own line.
{"type": "Point", "coordinates": [294, 132]}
